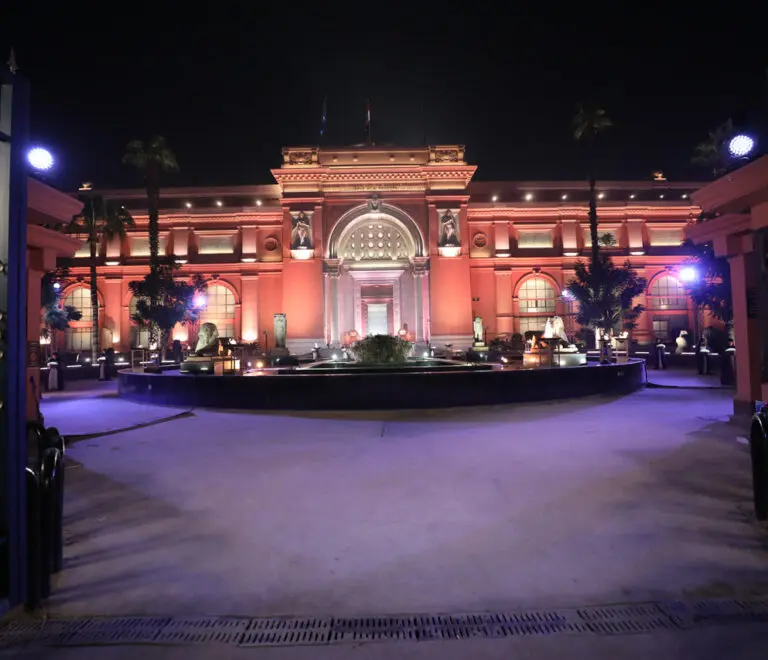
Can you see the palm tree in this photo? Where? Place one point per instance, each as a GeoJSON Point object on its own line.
{"type": "Point", "coordinates": [152, 158]}
{"type": "Point", "coordinates": [55, 317]}
{"type": "Point", "coordinates": [605, 293]}
{"type": "Point", "coordinates": [587, 123]}
{"type": "Point", "coordinates": [98, 220]}
{"type": "Point", "coordinates": [711, 152]}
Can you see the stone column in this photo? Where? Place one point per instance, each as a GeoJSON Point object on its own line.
{"type": "Point", "coordinates": [419, 278]}
{"type": "Point", "coordinates": [504, 315]}
{"type": "Point", "coordinates": [501, 237]}
{"type": "Point", "coordinates": [113, 308]}
{"type": "Point", "coordinates": [332, 275]}
{"type": "Point", "coordinates": [249, 295]}
{"type": "Point", "coordinates": [744, 281]}
{"type": "Point", "coordinates": [397, 321]}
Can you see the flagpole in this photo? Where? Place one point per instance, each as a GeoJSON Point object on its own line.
{"type": "Point", "coordinates": [324, 118]}
{"type": "Point", "coordinates": [368, 122]}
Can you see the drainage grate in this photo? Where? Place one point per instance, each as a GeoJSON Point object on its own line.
{"type": "Point", "coordinates": [626, 619]}
{"type": "Point", "coordinates": [287, 632]}
{"type": "Point", "coordinates": [315, 631]}
{"type": "Point", "coordinates": [124, 630]}
{"type": "Point", "coordinates": [716, 611]}
{"type": "Point", "coordinates": [203, 630]}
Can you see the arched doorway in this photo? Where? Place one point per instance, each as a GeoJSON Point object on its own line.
{"type": "Point", "coordinates": [376, 272]}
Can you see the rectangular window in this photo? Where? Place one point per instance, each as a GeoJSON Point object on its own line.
{"type": "Point", "coordinates": [139, 337]}
{"type": "Point", "coordinates": [666, 328]}
{"type": "Point", "coordinates": [666, 237]}
{"type": "Point", "coordinates": [532, 324]}
{"type": "Point", "coordinates": [534, 239]}
{"type": "Point", "coordinates": [84, 251]}
{"type": "Point", "coordinates": [226, 328]}
{"type": "Point", "coordinates": [140, 245]}
{"type": "Point", "coordinates": [600, 233]}
{"type": "Point", "coordinates": [216, 244]}
{"type": "Point", "coordinates": [78, 339]}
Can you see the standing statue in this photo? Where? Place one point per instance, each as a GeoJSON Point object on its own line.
{"type": "Point", "coordinates": [477, 328]}
{"type": "Point", "coordinates": [280, 330]}
{"type": "Point", "coordinates": [681, 342]}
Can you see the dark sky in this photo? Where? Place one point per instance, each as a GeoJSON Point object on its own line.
{"type": "Point", "coordinates": [229, 87]}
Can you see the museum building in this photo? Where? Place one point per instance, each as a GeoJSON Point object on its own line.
{"type": "Point", "coordinates": [371, 239]}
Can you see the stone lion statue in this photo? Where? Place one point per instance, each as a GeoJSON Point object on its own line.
{"type": "Point", "coordinates": [555, 329]}
{"type": "Point", "coordinates": [207, 340]}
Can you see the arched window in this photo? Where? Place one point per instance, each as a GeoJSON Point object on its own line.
{"type": "Point", "coordinates": [139, 335]}
{"type": "Point", "coordinates": [80, 298]}
{"type": "Point", "coordinates": [537, 301]}
{"type": "Point", "coordinates": [220, 309]}
{"type": "Point", "coordinates": [667, 293]}
{"type": "Point", "coordinates": [77, 336]}
{"type": "Point", "coordinates": [376, 238]}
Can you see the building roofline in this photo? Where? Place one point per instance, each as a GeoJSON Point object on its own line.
{"type": "Point", "coordinates": [584, 185]}
{"type": "Point", "coordinates": [132, 193]}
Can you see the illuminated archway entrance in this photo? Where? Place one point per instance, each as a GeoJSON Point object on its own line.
{"type": "Point", "coordinates": [376, 276]}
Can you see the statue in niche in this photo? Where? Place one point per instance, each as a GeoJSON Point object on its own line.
{"type": "Point", "coordinates": [281, 325]}
{"type": "Point", "coordinates": [207, 340]}
{"type": "Point", "coordinates": [477, 330]}
{"type": "Point", "coordinates": [301, 232]}
{"type": "Point", "coordinates": [449, 236]}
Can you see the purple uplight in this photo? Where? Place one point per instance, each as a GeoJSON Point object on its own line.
{"type": "Point", "coordinates": [199, 300]}
{"type": "Point", "coordinates": [689, 274]}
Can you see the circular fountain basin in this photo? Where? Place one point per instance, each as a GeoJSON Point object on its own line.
{"type": "Point", "coordinates": [379, 387]}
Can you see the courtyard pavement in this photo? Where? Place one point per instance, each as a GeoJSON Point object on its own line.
{"type": "Point", "coordinates": [684, 377]}
{"type": "Point", "coordinates": [559, 504]}
{"type": "Point", "coordinates": [92, 407]}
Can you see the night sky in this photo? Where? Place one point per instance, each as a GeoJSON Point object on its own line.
{"type": "Point", "coordinates": [228, 88]}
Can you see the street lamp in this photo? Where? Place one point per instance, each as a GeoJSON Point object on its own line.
{"type": "Point", "coordinates": [40, 159]}
{"type": "Point", "coordinates": [741, 146]}
{"type": "Point", "coordinates": [689, 274]}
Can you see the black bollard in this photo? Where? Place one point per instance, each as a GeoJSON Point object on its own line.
{"type": "Point", "coordinates": [728, 365]}
{"type": "Point", "coordinates": [54, 439]}
{"type": "Point", "coordinates": [34, 560]}
{"type": "Point", "coordinates": [702, 357]}
{"type": "Point", "coordinates": [661, 355]}
{"type": "Point", "coordinates": [758, 446]}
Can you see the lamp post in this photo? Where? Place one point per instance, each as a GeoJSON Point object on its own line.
{"type": "Point", "coordinates": [689, 275]}
{"type": "Point", "coordinates": [14, 171]}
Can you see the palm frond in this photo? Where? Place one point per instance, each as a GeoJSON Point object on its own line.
{"type": "Point", "coordinates": [588, 122]}
{"type": "Point", "coordinates": [135, 154]}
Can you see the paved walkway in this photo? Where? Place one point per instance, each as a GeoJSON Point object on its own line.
{"type": "Point", "coordinates": [680, 377]}
{"type": "Point", "coordinates": [742, 642]}
{"type": "Point", "coordinates": [598, 500]}
{"type": "Point", "coordinates": [93, 407]}
{"type": "Point", "coordinates": [546, 505]}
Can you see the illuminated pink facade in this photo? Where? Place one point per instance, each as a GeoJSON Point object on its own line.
{"type": "Point", "coordinates": [359, 240]}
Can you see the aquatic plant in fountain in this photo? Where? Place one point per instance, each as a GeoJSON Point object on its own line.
{"type": "Point", "coordinates": [381, 349]}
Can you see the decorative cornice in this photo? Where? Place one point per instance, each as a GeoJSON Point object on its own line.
{"type": "Point", "coordinates": [546, 213]}
{"type": "Point", "coordinates": [351, 179]}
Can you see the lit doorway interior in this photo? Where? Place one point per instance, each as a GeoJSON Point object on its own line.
{"type": "Point", "coordinates": [377, 321]}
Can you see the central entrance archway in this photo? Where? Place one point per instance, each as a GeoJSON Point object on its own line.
{"type": "Point", "coordinates": [375, 276]}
